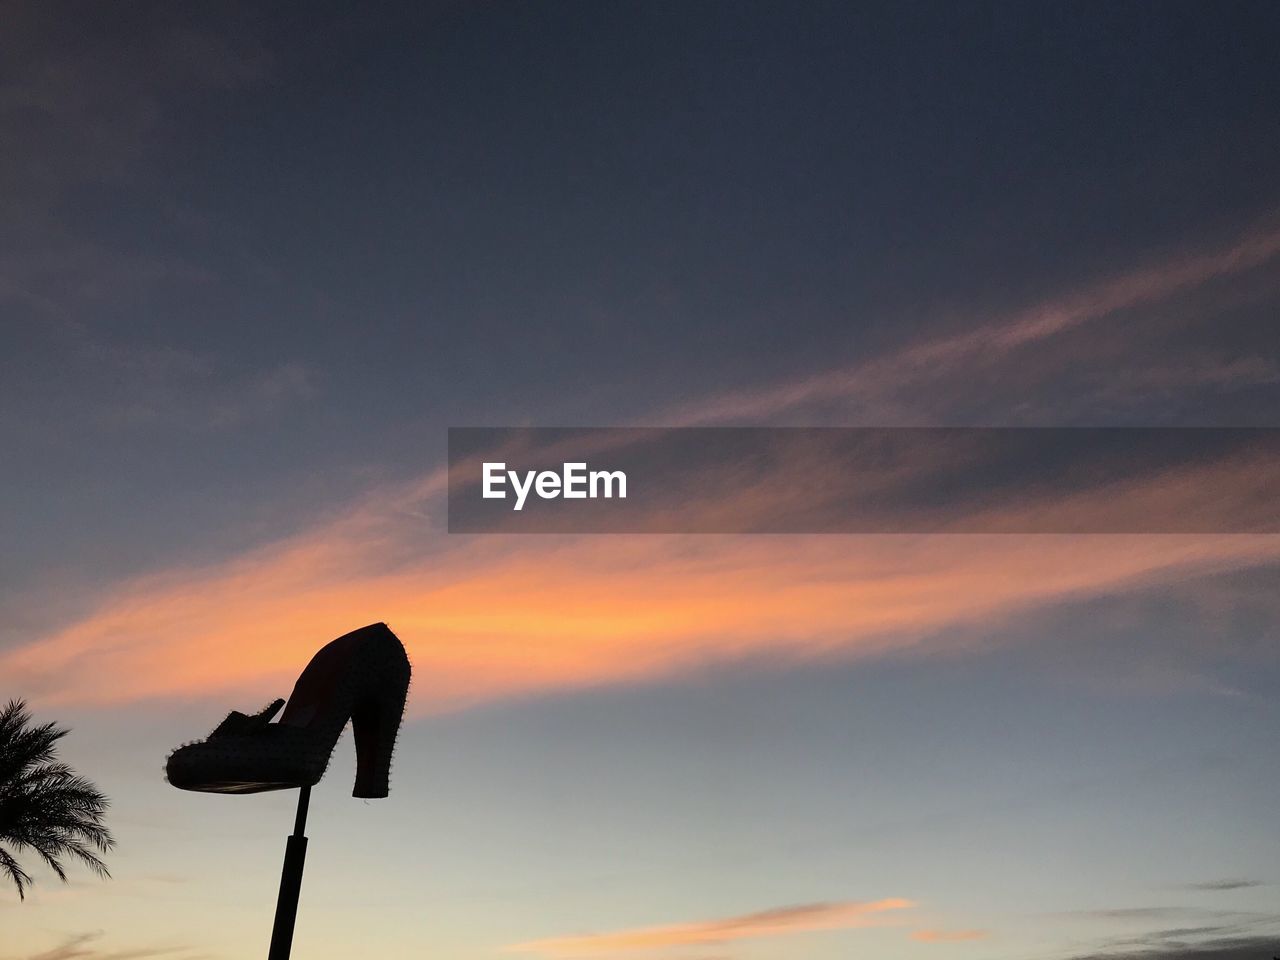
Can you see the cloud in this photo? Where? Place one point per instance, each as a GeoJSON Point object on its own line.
{"type": "Point", "coordinates": [262, 393]}
{"type": "Point", "coordinates": [81, 947]}
{"type": "Point", "coordinates": [1200, 934]}
{"type": "Point", "coordinates": [1190, 917]}
{"type": "Point", "coordinates": [86, 106]}
{"type": "Point", "coordinates": [91, 107]}
{"type": "Point", "coordinates": [491, 618]}
{"type": "Point", "coordinates": [887, 389]}
{"type": "Point", "coordinates": [766, 923]}
{"type": "Point", "coordinates": [176, 387]}
{"type": "Point", "coordinates": [1135, 913]}
{"type": "Point", "coordinates": [1232, 884]}
{"type": "Point", "coordinates": [948, 936]}
{"type": "Point", "coordinates": [1224, 948]}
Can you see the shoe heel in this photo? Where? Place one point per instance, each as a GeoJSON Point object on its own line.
{"type": "Point", "coordinates": [375, 725]}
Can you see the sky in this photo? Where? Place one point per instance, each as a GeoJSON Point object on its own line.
{"type": "Point", "coordinates": [257, 258]}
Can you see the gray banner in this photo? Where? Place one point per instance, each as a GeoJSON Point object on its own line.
{"type": "Point", "coordinates": [864, 480]}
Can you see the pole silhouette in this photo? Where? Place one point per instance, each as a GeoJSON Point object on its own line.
{"type": "Point", "coordinates": [295, 858]}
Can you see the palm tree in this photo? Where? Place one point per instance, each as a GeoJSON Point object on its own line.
{"type": "Point", "coordinates": [45, 806]}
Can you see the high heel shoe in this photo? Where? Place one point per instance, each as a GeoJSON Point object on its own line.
{"type": "Point", "coordinates": [363, 676]}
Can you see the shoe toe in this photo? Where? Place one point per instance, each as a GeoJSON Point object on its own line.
{"type": "Point", "coordinates": [251, 764]}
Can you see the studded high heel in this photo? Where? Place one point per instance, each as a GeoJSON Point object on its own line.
{"type": "Point", "coordinates": [363, 676]}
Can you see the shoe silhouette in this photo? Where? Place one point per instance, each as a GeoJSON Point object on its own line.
{"type": "Point", "coordinates": [363, 676]}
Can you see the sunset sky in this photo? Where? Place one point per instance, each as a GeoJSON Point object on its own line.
{"type": "Point", "coordinates": [257, 258]}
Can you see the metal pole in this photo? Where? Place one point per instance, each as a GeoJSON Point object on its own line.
{"type": "Point", "coordinates": [295, 855]}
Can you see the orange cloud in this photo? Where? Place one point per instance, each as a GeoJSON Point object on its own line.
{"type": "Point", "coordinates": [494, 617]}
{"type": "Point", "coordinates": [767, 923]}
{"type": "Point", "coordinates": [948, 936]}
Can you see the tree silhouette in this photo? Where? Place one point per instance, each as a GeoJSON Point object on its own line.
{"type": "Point", "coordinates": [45, 806]}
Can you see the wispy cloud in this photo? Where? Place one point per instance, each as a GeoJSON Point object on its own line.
{"type": "Point", "coordinates": [887, 389]}
{"type": "Point", "coordinates": [1231, 884]}
{"type": "Point", "coordinates": [85, 946]}
{"type": "Point", "coordinates": [208, 397]}
{"type": "Point", "coordinates": [486, 619]}
{"type": "Point", "coordinates": [97, 105]}
{"type": "Point", "coordinates": [948, 936]}
{"type": "Point", "coordinates": [494, 618]}
{"type": "Point", "coordinates": [84, 107]}
{"type": "Point", "coordinates": [1217, 948]}
{"type": "Point", "coordinates": [1186, 933]}
{"type": "Point", "coordinates": [766, 923]}
{"type": "Point", "coordinates": [1134, 913]}
{"type": "Point", "coordinates": [145, 384]}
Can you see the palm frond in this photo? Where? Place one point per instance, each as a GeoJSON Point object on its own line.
{"type": "Point", "coordinates": [13, 870]}
{"type": "Point", "coordinates": [46, 808]}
